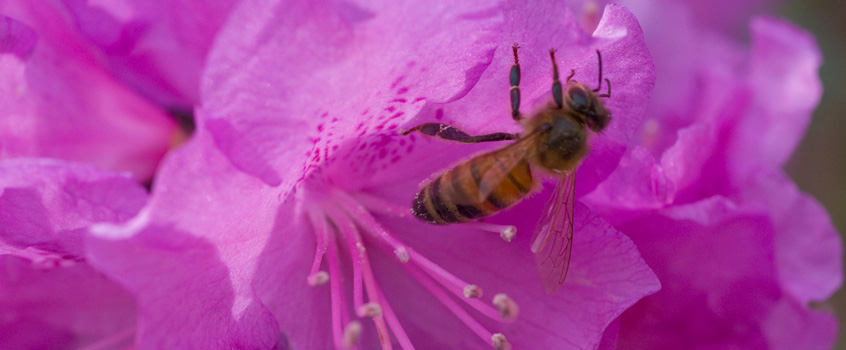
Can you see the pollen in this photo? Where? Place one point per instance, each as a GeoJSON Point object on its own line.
{"type": "Point", "coordinates": [472, 291]}
{"type": "Point", "coordinates": [318, 278]}
{"type": "Point", "coordinates": [507, 307]}
{"type": "Point", "coordinates": [499, 342]}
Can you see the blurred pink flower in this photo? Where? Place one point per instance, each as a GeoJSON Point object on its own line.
{"type": "Point", "coordinates": [283, 221]}
{"type": "Point", "coordinates": [49, 296]}
{"type": "Point", "coordinates": [59, 101]}
{"type": "Point", "coordinates": [739, 250]}
{"type": "Point", "coordinates": [158, 47]}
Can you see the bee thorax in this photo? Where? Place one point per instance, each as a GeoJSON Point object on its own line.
{"type": "Point", "coordinates": [564, 145]}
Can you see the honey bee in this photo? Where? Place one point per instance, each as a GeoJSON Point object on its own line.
{"type": "Point", "coordinates": [554, 141]}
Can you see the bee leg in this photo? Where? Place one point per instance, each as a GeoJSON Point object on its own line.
{"type": "Point", "coordinates": [557, 93]}
{"type": "Point", "coordinates": [599, 86]}
{"type": "Point", "coordinates": [446, 132]}
{"type": "Point", "coordinates": [608, 82]}
{"type": "Point", "coordinates": [514, 79]}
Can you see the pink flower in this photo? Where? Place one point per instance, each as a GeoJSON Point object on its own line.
{"type": "Point", "coordinates": [61, 102]}
{"type": "Point", "coordinates": [739, 250]}
{"type": "Point", "coordinates": [156, 47]}
{"type": "Point", "coordinates": [283, 222]}
{"type": "Point", "coordinates": [45, 110]}
{"type": "Point", "coordinates": [50, 296]}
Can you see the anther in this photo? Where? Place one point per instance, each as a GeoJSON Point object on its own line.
{"type": "Point", "coordinates": [507, 232]}
{"type": "Point", "coordinates": [499, 342]}
{"type": "Point", "coordinates": [472, 291]}
{"type": "Point", "coordinates": [370, 310]}
{"type": "Point", "coordinates": [402, 254]}
{"type": "Point", "coordinates": [318, 278]}
{"type": "Point", "coordinates": [507, 307]}
{"type": "Point", "coordinates": [352, 333]}
{"type": "Point", "coordinates": [590, 16]}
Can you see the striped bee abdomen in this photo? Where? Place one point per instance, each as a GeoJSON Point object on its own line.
{"type": "Point", "coordinates": [453, 196]}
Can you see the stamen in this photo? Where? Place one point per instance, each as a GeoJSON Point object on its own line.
{"type": "Point", "coordinates": [349, 230]}
{"type": "Point", "coordinates": [318, 222]}
{"type": "Point", "coordinates": [345, 215]}
{"type": "Point", "coordinates": [507, 232]}
{"type": "Point", "coordinates": [317, 279]}
{"type": "Point", "coordinates": [472, 291]}
{"type": "Point", "coordinates": [590, 16]}
{"type": "Point", "coordinates": [402, 254]}
{"type": "Point", "coordinates": [378, 205]}
{"type": "Point", "coordinates": [336, 291]}
{"type": "Point", "coordinates": [453, 284]}
{"type": "Point", "coordinates": [499, 342]}
{"type": "Point", "coordinates": [393, 322]}
{"type": "Point", "coordinates": [451, 305]}
{"type": "Point", "coordinates": [352, 333]}
{"type": "Point", "coordinates": [366, 220]}
{"type": "Point", "coordinates": [370, 310]}
{"type": "Point", "coordinates": [507, 307]}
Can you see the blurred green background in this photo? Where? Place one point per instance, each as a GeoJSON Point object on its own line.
{"type": "Point", "coordinates": [819, 165]}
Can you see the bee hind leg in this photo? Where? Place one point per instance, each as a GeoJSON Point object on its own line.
{"type": "Point", "coordinates": [447, 132]}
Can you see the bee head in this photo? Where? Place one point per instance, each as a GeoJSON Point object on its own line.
{"type": "Point", "coordinates": [586, 103]}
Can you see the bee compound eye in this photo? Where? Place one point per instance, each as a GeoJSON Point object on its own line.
{"type": "Point", "coordinates": [577, 99]}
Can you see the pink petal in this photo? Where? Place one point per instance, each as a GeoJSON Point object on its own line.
{"type": "Point", "coordinates": [62, 308]}
{"type": "Point", "coordinates": [784, 78]}
{"type": "Point", "coordinates": [189, 257]}
{"type": "Point", "coordinates": [16, 38]}
{"type": "Point", "coordinates": [606, 276]}
{"type": "Point", "coordinates": [720, 272]}
{"type": "Point", "coordinates": [338, 76]}
{"type": "Point", "coordinates": [809, 252]}
{"type": "Point", "coordinates": [48, 205]}
{"type": "Point", "coordinates": [47, 114]}
{"type": "Point", "coordinates": [158, 47]}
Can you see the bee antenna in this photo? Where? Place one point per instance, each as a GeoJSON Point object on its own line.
{"type": "Point", "coordinates": [599, 57]}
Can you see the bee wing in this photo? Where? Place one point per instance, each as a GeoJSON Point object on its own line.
{"type": "Point", "coordinates": [553, 236]}
{"type": "Point", "coordinates": [506, 160]}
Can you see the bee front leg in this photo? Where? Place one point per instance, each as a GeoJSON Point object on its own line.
{"type": "Point", "coordinates": [446, 132]}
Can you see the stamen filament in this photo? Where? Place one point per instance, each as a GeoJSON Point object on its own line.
{"type": "Point", "coordinates": [506, 232]}
{"type": "Point", "coordinates": [318, 222]}
{"type": "Point", "coordinates": [336, 291]}
{"type": "Point", "coordinates": [348, 229]}
{"type": "Point", "coordinates": [366, 220]}
{"type": "Point", "coordinates": [356, 254]}
{"type": "Point", "coordinates": [451, 305]}
{"type": "Point", "coordinates": [455, 285]}
{"type": "Point", "coordinates": [378, 205]}
{"type": "Point", "coordinates": [394, 323]}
